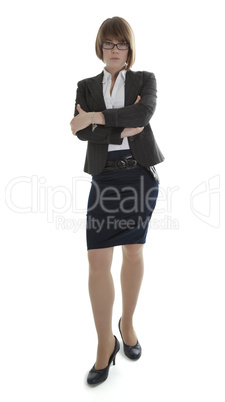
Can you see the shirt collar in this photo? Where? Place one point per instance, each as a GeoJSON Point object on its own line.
{"type": "Point", "coordinates": [107, 75]}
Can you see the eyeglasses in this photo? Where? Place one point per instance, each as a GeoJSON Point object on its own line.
{"type": "Point", "coordinates": [120, 46]}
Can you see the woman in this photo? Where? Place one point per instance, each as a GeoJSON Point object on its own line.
{"type": "Point", "coordinates": [112, 113]}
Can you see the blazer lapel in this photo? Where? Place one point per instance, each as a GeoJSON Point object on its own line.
{"type": "Point", "coordinates": [132, 85]}
{"type": "Point", "coordinates": [95, 86]}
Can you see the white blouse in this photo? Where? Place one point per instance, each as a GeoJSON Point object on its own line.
{"type": "Point", "coordinates": [116, 100]}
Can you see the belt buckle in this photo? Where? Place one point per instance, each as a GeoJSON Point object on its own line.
{"type": "Point", "coordinates": [122, 164]}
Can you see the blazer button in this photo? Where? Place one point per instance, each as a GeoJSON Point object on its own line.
{"type": "Point", "coordinates": [131, 138]}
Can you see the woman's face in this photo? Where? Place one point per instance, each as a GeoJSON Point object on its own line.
{"type": "Point", "coordinates": [114, 59]}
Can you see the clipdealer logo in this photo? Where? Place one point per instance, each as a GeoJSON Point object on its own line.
{"type": "Point", "coordinates": [32, 194]}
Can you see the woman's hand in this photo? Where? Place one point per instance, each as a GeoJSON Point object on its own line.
{"type": "Point", "coordinates": [81, 121]}
{"type": "Point", "coordinates": [130, 131]}
{"type": "Point", "coordinates": [137, 100]}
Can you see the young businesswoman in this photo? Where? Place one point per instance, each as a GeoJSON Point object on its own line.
{"type": "Point", "coordinates": [112, 113]}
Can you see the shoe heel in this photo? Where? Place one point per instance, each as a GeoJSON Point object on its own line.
{"type": "Point", "coordinates": [114, 361]}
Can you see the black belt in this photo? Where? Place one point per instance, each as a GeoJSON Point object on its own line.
{"type": "Point", "coordinates": [127, 162]}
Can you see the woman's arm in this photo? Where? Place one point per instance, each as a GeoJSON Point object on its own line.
{"type": "Point", "coordinates": [81, 124]}
{"type": "Point", "coordinates": [138, 114]}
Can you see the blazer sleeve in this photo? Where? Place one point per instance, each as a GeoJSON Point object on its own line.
{"type": "Point", "coordinates": [136, 115]}
{"type": "Point", "coordinates": [102, 134]}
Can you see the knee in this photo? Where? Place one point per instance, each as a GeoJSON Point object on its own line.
{"type": "Point", "coordinates": [133, 252]}
{"type": "Point", "coordinates": [100, 260]}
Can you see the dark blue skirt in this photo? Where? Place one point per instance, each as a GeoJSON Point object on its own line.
{"type": "Point", "coordinates": [120, 205]}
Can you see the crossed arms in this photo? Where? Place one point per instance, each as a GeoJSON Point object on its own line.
{"type": "Point", "coordinates": [115, 124]}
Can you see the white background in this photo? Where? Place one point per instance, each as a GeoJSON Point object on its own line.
{"type": "Point", "coordinates": [48, 340]}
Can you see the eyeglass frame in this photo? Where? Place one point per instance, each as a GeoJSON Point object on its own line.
{"type": "Point", "coordinates": [115, 44]}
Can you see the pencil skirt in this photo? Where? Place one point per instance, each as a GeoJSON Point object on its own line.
{"type": "Point", "coordinates": [120, 205]}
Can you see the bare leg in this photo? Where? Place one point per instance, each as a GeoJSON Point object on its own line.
{"type": "Point", "coordinates": [101, 290]}
{"type": "Point", "coordinates": [131, 279]}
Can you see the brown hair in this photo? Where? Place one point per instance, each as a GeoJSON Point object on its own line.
{"type": "Point", "coordinates": [120, 29]}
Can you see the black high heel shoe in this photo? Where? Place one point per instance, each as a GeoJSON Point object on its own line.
{"type": "Point", "coordinates": [98, 376]}
{"type": "Point", "coordinates": [133, 352]}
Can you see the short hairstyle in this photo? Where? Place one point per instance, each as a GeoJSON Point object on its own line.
{"type": "Point", "coordinates": [120, 29]}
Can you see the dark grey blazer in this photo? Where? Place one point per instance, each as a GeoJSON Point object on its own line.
{"type": "Point", "coordinates": [143, 146]}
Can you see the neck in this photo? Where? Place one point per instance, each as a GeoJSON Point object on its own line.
{"type": "Point", "coordinates": [114, 73]}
